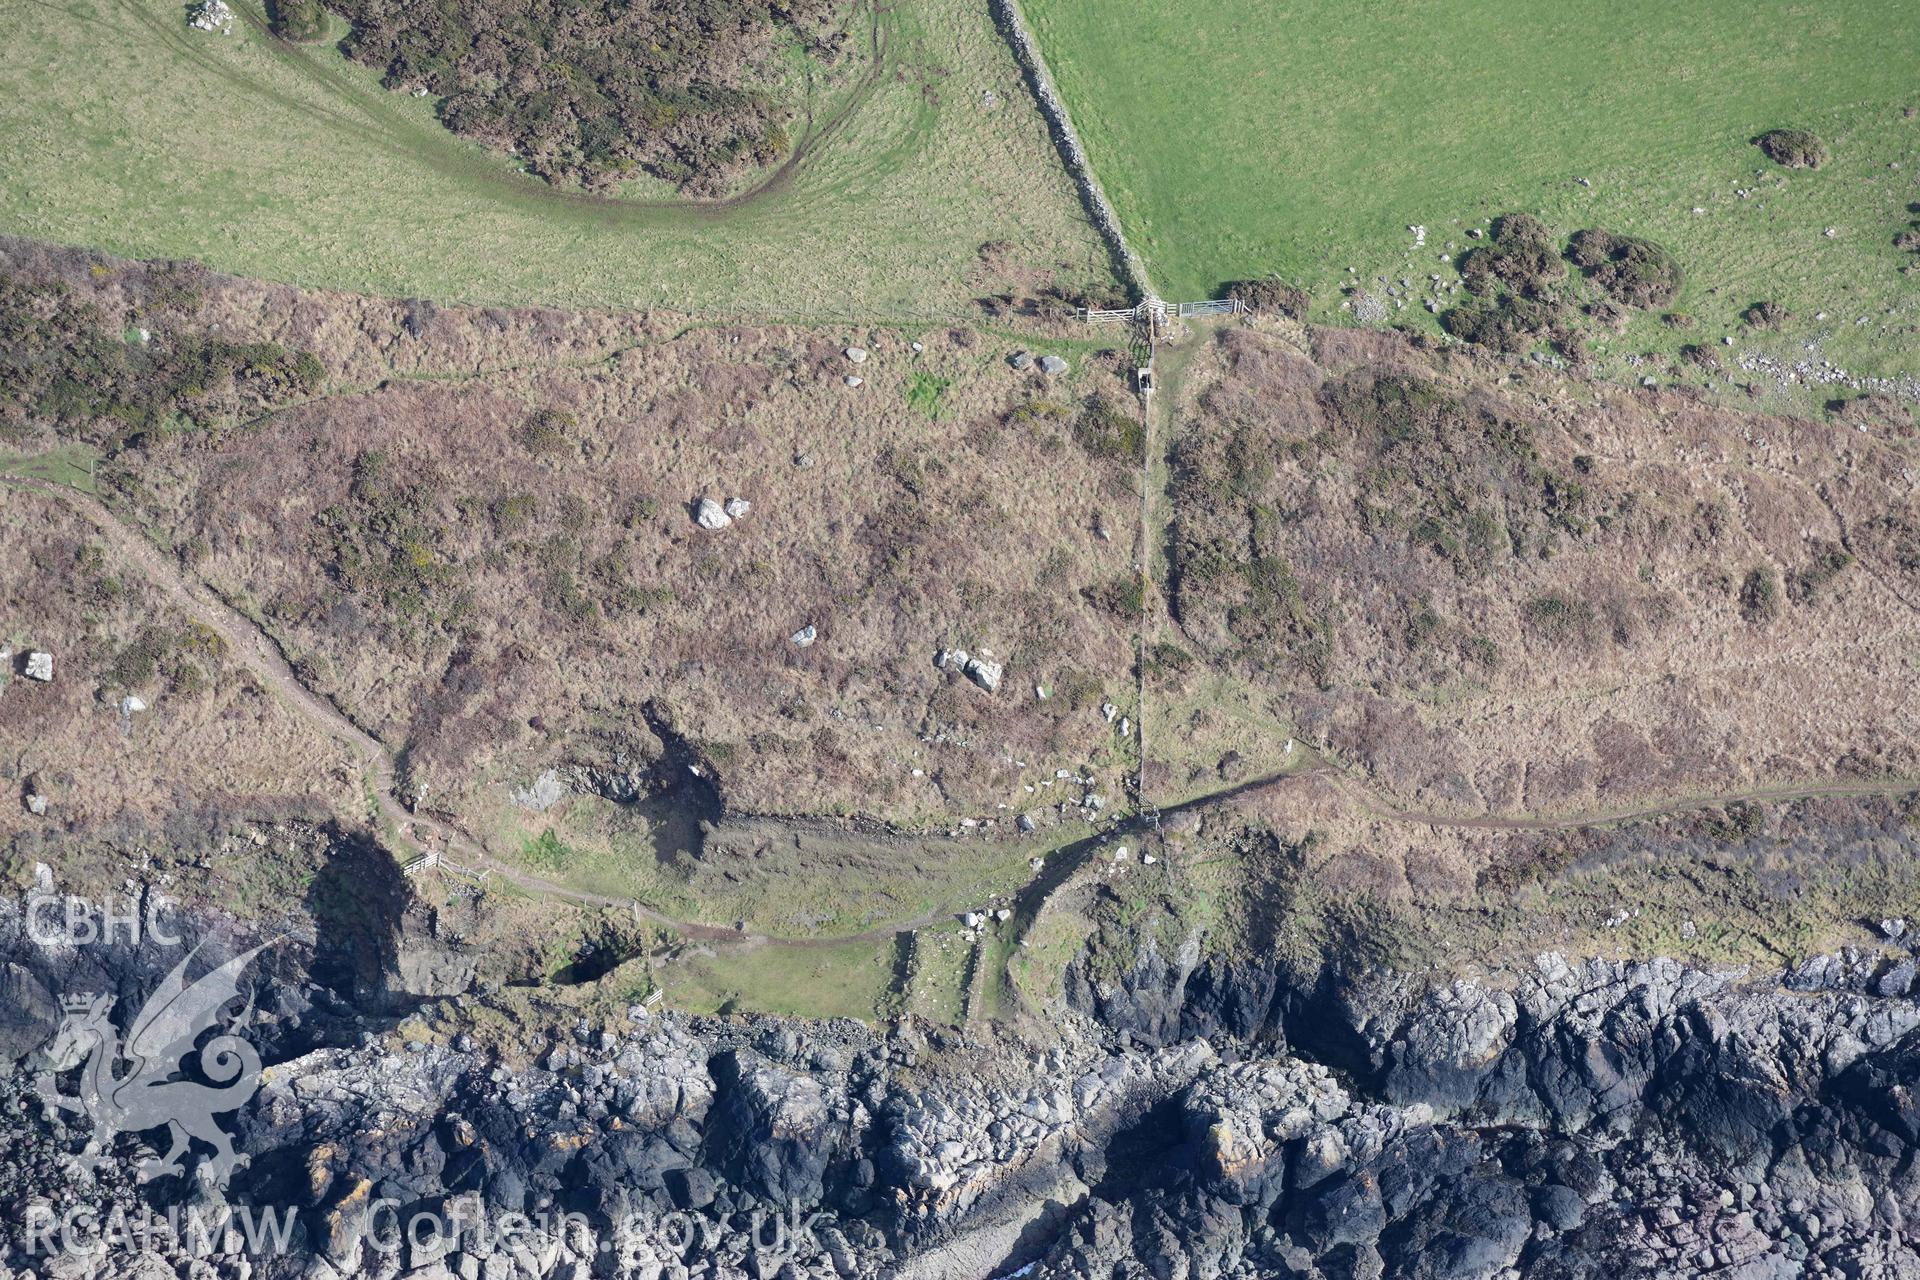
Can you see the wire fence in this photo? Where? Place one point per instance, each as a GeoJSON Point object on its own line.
{"type": "Point", "coordinates": [1155, 312]}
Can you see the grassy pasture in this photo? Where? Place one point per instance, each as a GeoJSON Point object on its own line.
{"type": "Point", "coordinates": [124, 130]}
{"type": "Point", "coordinates": [71, 465]}
{"type": "Point", "coordinates": [847, 980]}
{"type": "Point", "coordinates": [830, 888]}
{"type": "Point", "coordinates": [1243, 137]}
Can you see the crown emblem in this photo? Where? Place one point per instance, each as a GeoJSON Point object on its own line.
{"type": "Point", "coordinates": [79, 1003]}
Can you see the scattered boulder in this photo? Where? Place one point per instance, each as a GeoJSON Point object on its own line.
{"type": "Point", "coordinates": [985, 673]}
{"type": "Point", "coordinates": [737, 508]}
{"type": "Point", "coordinates": [853, 380]}
{"type": "Point", "coordinates": [131, 703]}
{"type": "Point", "coordinates": [1021, 360]}
{"type": "Point", "coordinates": [693, 1188]}
{"type": "Point", "coordinates": [542, 793]}
{"type": "Point", "coordinates": [36, 803]}
{"type": "Point", "coordinates": [1025, 823]}
{"type": "Point", "coordinates": [804, 636]}
{"type": "Point", "coordinates": [857, 355]}
{"type": "Point", "coordinates": [1052, 365]}
{"type": "Point", "coordinates": [711, 515]}
{"type": "Point", "coordinates": [211, 15]}
{"type": "Point", "coordinates": [39, 665]}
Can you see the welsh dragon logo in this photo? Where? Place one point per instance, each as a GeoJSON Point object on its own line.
{"type": "Point", "coordinates": [136, 1085]}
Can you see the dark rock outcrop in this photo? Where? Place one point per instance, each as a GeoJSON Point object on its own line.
{"type": "Point", "coordinates": [1579, 1119]}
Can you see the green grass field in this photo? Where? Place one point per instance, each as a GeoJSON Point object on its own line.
{"type": "Point", "coordinates": [850, 980]}
{"type": "Point", "coordinates": [1241, 138]}
{"type": "Point", "coordinates": [71, 465]}
{"type": "Point", "coordinates": [123, 130]}
{"type": "Point", "coordinates": [826, 891]}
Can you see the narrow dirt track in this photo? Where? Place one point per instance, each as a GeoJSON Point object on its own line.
{"type": "Point", "coordinates": [1373, 805]}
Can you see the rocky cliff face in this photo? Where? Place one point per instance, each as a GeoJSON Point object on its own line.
{"type": "Point", "coordinates": [1191, 1119]}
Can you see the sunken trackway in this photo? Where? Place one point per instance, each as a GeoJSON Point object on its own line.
{"type": "Point", "coordinates": [1370, 803]}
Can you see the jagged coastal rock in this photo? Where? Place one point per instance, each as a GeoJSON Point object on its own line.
{"type": "Point", "coordinates": [1191, 1118]}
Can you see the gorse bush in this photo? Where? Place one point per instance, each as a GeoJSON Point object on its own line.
{"type": "Point", "coordinates": [1793, 148]}
{"type": "Point", "coordinates": [300, 20]}
{"type": "Point", "coordinates": [1760, 594]}
{"type": "Point", "coordinates": [384, 543]}
{"type": "Point", "coordinates": [1509, 323]}
{"type": "Point", "coordinates": [1110, 431]}
{"type": "Point", "coordinates": [1271, 296]}
{"type": "Point", "coordinates": [1633, 271]}
{"type": "Point", "coordinates": [58, 363]}
{"type": "Point", "coordinates": [592, 91]}
{"type": "Point", "coordinates": [1523, 257]}
{"type": "Point", "coordinates": [548, 431]}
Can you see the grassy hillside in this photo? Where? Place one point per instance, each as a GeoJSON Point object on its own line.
{"type": "Point", "coordinates": [1241, 137]}
{"type": "Point", "coordinates": [124, 130]}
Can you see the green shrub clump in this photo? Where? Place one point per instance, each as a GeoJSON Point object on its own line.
{"type": "Point", "coordinates": [1108, 431]}
{"type": "Point", "coordinates": [1637, 272]}
{"type": "Point", "coordinates": [1271, 296]}
{"type": "Point", "coordinates": [1510, 323]}
{"type": "Point", "coordinates": [1558, 617]}
{"type": "Point", "coordinates": [1793, 148]}
{"type": "Point", "coordinates": [60, 363]}
{"type": "Point", "coordinates": [1523, 257]}
{"type": "Point", "coordinates": [300, 20]}
{"type": "Point", "coordinates": [547, 432]}
{"type": "Point", "coordinates": [1760, 595]}
{"type": "Point", "coordinates": [591, 92]}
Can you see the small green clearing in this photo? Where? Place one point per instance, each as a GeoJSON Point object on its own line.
{"type": "Point", "coordinates": [70, 465]}
{"type": "Point", "coordinates": [822, 887]}
{"type": "Point", "coordinates": [942, 959]}
{"type": "Point", "coordinates": [1240, 138]}
{"type": "Point", "coordinates": [848, 980]}
{"type": "Point", "coordinates": [924, 393]}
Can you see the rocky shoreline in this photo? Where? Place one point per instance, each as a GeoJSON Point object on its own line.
{"type": "Point", "coordinates": [1190, 1119]}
